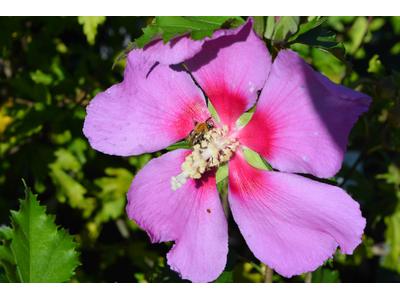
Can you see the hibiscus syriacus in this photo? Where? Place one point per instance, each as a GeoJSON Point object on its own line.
{"type": "Point", "coordinates": [300, 125]}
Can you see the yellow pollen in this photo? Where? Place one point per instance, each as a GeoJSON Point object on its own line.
{"type": "Point", "coordinates": [213, 150]}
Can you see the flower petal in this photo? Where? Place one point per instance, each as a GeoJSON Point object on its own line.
{"type": "Point", "coordinates": [302, 120]}
{"type": "Point", "coordinates": [230, 70]}
{"type": "Point", "coordinates": [291, 223]}
{"type": "Point", "coordinates": [175, 51]}
{"type": "Point", "coordinates": [150, 110]}
{"type": "Point", "coordinates": [192, 216]}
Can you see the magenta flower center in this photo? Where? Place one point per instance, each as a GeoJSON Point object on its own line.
{"type": "Point", "coordinates": [214, 149]}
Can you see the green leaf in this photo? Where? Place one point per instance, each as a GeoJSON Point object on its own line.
{"type": "Point", "coordinates": [319, 21]}
{"type": "Point", "coordinates": [254, 159]}
{"type": "Point", "coordinates": [90, 25]}
{"type": "Point", "coordinates": [335, 182]}
{"type": "Point", "coordinates": [392, 237]}
{"type": "Point", "coordinates": [3, 276]}
{"type": "Point", "coordinates": [259, 25]}
{"type": "Point", "coordinates": [303, 28]}
{"type": "Point", "coordinates": [113, 193]}
{"type": "Point", "coordinates": [392, 176]}
{"type": "Point", "coordinates": [395, 49]}
{"type": "Point", "coordinates": [40, 77]}
{"type": "Point", "coordinates": [67, 186]}
{"type": "Point", "coordinates": [324, 40]}
{"type": "Point", "coordinates": [244, 119]}
{"type": "Point", "coordinates": [123, 54]}
{"type": "Point", "coordinates": [179, 145]}
{"type": "Point", "coordinates": [169, 27]}
{"type": "Point", "coordinates": [227, 275]}
{"type": "Point", "coordinates": [325, 275]}
{"type": "Point", "coordinates": [199, 27]}
{"type": "Point", "coordinates": [222, 172]}
{"type": "Point", "coordinates": [213, 112]}
{"type": "Point", "coordinates": [220, 185]}
{"type": "Point", "coordinates": [284, 28]}
{"type": "Point", "coordinates": [376, 67]}
{"type": "Point", "coordinates": [269, 28]}
{"type": "Point", "coordinates": [34, 250]}
{"type": "Point", "coordinates": [356, 35]}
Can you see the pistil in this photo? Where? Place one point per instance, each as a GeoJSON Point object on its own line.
{"type": "Point", "coordinates": [213, 150]}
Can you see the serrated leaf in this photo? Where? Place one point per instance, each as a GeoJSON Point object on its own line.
{"type": "Point", "coordinates": [169, 27]}
{"type": "Point", "coordinates": [90, 25]}
{"type": "Point", "coordinates": [34, 250]}
{"type": "Point", "coordinates": [324, 40]}
{"type": "Point", "coordinates": [199, 27]}
{"type": "Point", "coordinates": [303, 28]}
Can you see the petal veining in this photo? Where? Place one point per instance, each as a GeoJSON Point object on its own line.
{"type": "Point", "coordinates": [151, 109]}
{"type": "Point", "coordinates": [291, 223]}
{"type": "Point", "coordinates": [302, 120]}
{"type": "Point", "coordinates": [193, 217]}
{"type": "Point", "coordinates": [230, 70]}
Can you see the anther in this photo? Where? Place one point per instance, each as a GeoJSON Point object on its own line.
{"type": "Point", "coordinates": [212, 150]}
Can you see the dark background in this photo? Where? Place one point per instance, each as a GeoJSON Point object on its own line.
{"type": "Point", "coordinates": [50, 69]}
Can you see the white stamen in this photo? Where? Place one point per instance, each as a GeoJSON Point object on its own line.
{"type": "Point", "coordinates": [213, 150]}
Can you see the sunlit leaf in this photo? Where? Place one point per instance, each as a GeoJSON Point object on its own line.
{"type": "Point", "coordinates": [254, 159]}
{"type": "Point", "coordinates": [67, 186]}
{"type": "Point", "coordinates": [90, 24]}
{"type": "Point", "coordinates": [392, 236]}
{"type": "Point", "coordinates": [222, 172]}
{"type": "Point", "coordinates": [356, 34]}
{"type": "Point", "coordinates": [376, 67]}
{"type": "Point", "coordinates": [113, 192]}
{"type": "Point", "coordinates": [324, 40]}
{"type": "Point", "coordinates": [40, 77]}
{"type": "Point", "coordinates": [34, 250]}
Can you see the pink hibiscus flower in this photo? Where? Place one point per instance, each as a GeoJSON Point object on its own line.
{"type": "Point", "coordinates": [300, 125]}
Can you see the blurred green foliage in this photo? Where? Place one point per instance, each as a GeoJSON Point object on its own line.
{"type": "Point", "coordinates": [50, 68]}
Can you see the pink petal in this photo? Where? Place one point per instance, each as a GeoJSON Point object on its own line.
{"type": "Point", "coordinates": [291, 223]}
{"type": "Point", "coordinates": [302, 120]}
{"type": "Point", "coordinates": [230, 70]}
{"type": "Point", "coordinates": [150, 110]}
{"type": "Point", "coordinates": [175, 51]}
{"type": "Point", "coordinates": [192, 216]}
